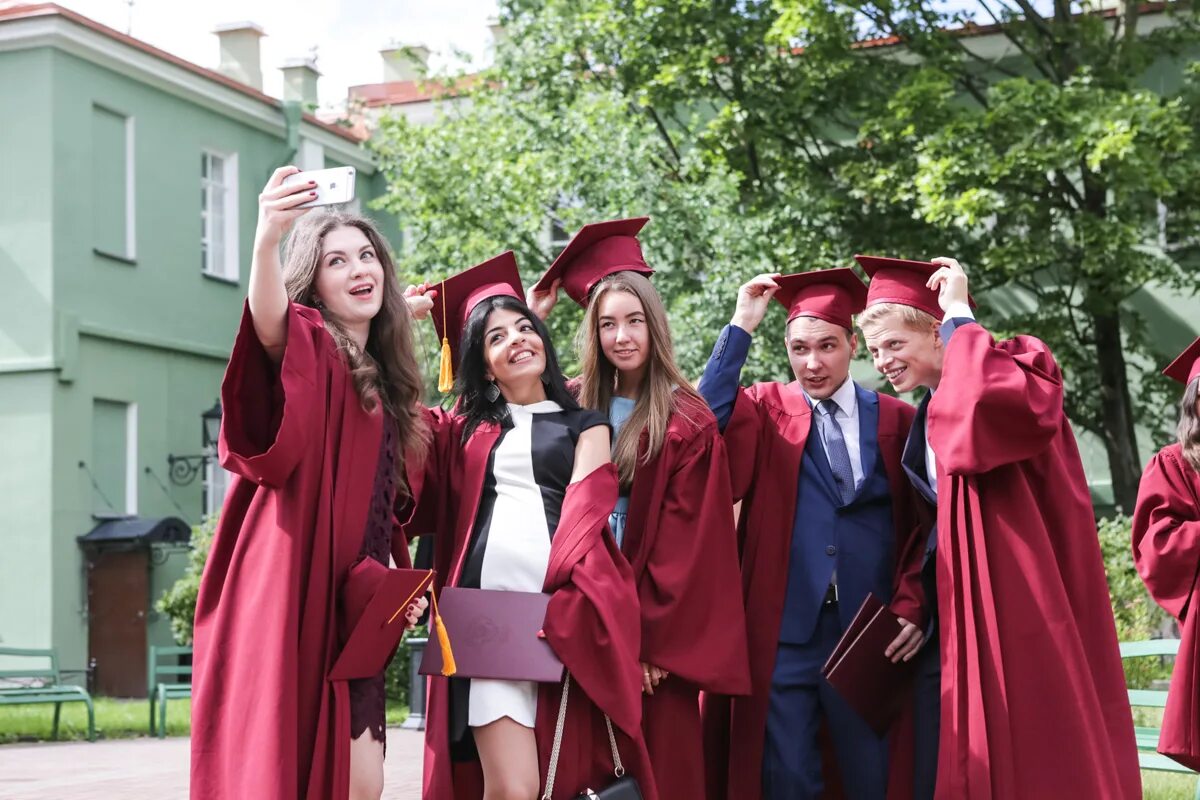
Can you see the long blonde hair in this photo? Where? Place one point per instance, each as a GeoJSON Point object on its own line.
{"type": "Point", "coordinates": [385, 372]}
{"type": "Point", "coordinates": [657, 399]}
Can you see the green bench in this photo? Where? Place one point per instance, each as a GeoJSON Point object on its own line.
{"type": "Point", "coordinates": [160, 691]}
{"type": "Point", "coordinates": [44, 685]}
{"type": "Point", "coordinates": [1147, 738]}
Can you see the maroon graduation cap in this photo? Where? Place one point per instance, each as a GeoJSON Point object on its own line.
{"type": "Point", "coordinates": [457, 297]}
{"type": "Point", "coordinates": [597, 251]}
{"type": "Point", "coordinates": [834, 295]}
{"type": "Point", "coordinates": [371, 616]}
{"type": "Point", "coordinates": [1186, 368]}
{"type": "Point", "coordinates": [899, 280]}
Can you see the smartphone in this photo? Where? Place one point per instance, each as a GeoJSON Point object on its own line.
{"type": "Point", "coordinates": [334, 185]}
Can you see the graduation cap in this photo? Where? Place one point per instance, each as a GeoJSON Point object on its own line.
{"type": "Point", "coordinates": [1186, 368]}
{"type": "Point", "coordinates": [834, 295]}
{"type": "Point", "coordinates": [598, 250]}
{"type": "Point", "coordinates": [457, 297]}
{"type": "Point", "coordinates": [899, 280]}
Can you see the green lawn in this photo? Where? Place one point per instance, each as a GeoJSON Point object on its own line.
{"type": "Point", "coordinates": [115, 719]}
{"type": "Point", "coordinates": [1168, 786]}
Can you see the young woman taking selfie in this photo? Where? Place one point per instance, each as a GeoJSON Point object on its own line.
{"type": "Point", "coordinates": [320, 416]}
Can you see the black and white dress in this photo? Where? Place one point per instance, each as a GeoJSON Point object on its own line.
{"type": "Point", "coordinates": [528, 473]}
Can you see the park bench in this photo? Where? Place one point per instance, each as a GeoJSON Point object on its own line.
{"type": "Point", "coordinates": [1147, 738]}
{"type": "Point", "coordinates": [159, 690]}
{"type": "Point", "coordinates": [32, 685]}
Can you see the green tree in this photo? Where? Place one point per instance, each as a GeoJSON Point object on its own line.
{"type": "Point", "coordinates": [179, 602]}
{"type": "Point", "coordinates": [786, 135]}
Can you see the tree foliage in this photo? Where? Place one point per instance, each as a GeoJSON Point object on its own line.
{"type": "Point", "coordinates": [785, 135]}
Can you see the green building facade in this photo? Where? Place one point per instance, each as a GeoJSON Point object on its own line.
{"type": "Point", "coordinates": [127, 214]}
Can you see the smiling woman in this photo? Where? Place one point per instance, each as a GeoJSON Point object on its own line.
{"type": "Point", "coordinates": [321, 413]}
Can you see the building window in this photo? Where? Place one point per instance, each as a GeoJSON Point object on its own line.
{"type": "Point", "coordinates": [217, 481]}
{"type": "Point", "coordinates": [113, 184]}
{"type": "Point", "coordinates": [113, 464]}
{"type": "Point", "coordinates": [218, 215]}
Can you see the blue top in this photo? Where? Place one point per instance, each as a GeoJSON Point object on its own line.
{"type": "Point", "coordinates": [618, 411]}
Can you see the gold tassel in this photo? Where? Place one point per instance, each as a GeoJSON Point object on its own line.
{"type": "Point", "coordinates": [449, 668]}
{"type": "Point", "coordinates": [446, 373]}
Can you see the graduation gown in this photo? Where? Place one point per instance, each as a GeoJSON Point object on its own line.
{"type": "Point", "coordinates": [765, 438]}
{"type": "Point", "coordinates": [1166, 549]}
{"type": "Point", "coordinates": [1034, 703]}
{"type": "Point", "coordinates": [680, 540]}
{"type": "Point", "coordinates": [265, 721]}
{"type": "Point", "coordinates": [592, 602]}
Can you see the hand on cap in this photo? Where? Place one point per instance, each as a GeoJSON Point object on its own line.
{"type": "Point", "coordinates": [414, 612]}
{"type": "Point", "coordinates": [753, 298]}
{"type": "Point", "coordinates": [420, 300]}
{"type": "Point", "coordinates": [950, 282]}
{"type": "Point", "coordinates": [542, 302]}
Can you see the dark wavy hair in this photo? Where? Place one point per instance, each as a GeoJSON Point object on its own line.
{"type": "Point", "coordinates": [471, 383]}
{"type": "Point", "coordinates": [1189, 424]}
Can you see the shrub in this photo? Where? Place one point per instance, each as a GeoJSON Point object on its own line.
{"type": "Point", "coordinates": [179, 602]}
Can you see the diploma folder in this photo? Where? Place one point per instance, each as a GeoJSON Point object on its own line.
{"type": "Point", "coordinates": [372, 617]}
{"type": "Point", "coordinates": [495, 635]}
{"type": "Point", "coordinates": [860, 672]}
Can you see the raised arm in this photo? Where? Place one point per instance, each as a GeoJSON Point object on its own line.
{"type": "Point", "coordinates": [723, 373]}
{"type": "Point", "coordinates": [268, 298]}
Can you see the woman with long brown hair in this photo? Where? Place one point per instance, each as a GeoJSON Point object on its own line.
{"type": "Point", "coordinates": [674, 519]}
{"type": "Point", "coordinates": [320, 413]}
{"type": "Point", "coordinates": [1166, 547]}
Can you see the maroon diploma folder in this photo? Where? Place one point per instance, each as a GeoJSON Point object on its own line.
{"type": "Point", "coordinates": [867, 679]}
{"type": "Point", "coordinates": [495, 635]}
{"type": "Point", "coordinates": [371, 616]}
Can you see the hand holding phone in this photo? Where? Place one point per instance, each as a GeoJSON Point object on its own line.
{"type": "Point", "coordinates": [333, 186]}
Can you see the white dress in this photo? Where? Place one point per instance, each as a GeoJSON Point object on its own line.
{"type": "Point", "coordinates": [529, 472]}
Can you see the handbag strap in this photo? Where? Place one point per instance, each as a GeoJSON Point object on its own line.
{"type": "Point", "coordinates": [552, 770]}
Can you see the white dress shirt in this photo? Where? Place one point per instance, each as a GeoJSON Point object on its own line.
{"type": "Point", "coordinates": [846, 398]}
{"type": "Point", "coordinates": [955, 311]}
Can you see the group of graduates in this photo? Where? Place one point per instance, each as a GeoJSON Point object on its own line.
{"type": "Point", "coordinates": [704, 548]}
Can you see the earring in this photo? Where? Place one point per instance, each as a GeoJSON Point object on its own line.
{"type": "Point", "coordinates": [317, 304]}
{"type": "Point", "coordinates": [492, 392]}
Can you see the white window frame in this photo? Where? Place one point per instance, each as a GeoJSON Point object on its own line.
{"type": "Point", "coordinates": [130, 183]}
{"type": "Point", "coordinates": [131, 459]}
{"type": "Point", "coordinates": [223, 265]}
{"type": "Point", "coordinates": [216, 482]}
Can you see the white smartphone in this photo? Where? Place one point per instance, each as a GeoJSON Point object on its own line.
{"type": "Point", "coordinates": [334, 185]}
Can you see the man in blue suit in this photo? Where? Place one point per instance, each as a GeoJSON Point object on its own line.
{"type": "Point", "coordinates": [826, 519]}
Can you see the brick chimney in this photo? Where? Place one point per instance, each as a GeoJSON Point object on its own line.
{"type": "Point", "coordinates": [300, 80]}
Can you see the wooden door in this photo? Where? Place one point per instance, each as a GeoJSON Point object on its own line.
{"type": "Point", "coordinates": [118, 600]}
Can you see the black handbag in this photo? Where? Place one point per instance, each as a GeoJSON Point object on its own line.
{"type": "Point", "coordinates": [625, 787]}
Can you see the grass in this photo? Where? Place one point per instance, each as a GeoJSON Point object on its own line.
{"type": "Point", "coordinates": [1168, 786]}
{"type": "Point", "coordinates": [115, 719]}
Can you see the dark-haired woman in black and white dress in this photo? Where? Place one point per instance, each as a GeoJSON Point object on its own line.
{"type": "Point", "coordinates": [517, 491]}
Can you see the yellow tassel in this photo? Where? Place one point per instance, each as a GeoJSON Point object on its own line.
{"type": "Point", "coordinates": [446, 373]}
{"type": "Point", "coordinates": [448, 665]}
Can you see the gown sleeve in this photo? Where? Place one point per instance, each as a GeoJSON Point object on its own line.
{"type": "Point", "coordinates": [271, 412]}
{"type": "Point", "coordinates": [1166, 533]}
{"type": "Point", "coordinates": [735, 409]}
{"type": "Point", "coordinates": [998, 402]}
{"type": "Point", "coordinates": [691, 578]}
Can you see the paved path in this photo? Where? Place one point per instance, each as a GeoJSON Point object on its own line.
{"type": "Point", "coordinates": [152, 769]}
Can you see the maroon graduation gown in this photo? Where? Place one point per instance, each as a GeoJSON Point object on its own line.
{"type": "Point", "coordinates": [588, 621]}
{"type": "Point", "coordinates": [265, 721]}
{"type": "Point", "coordinates": [681, 541]}
{"type": "Point", "coordinates": [1033, 696]}
{"type": "Point", "coordinates": [1166, 548]}
{"type": "Point", "coordinates": [765, 439]}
